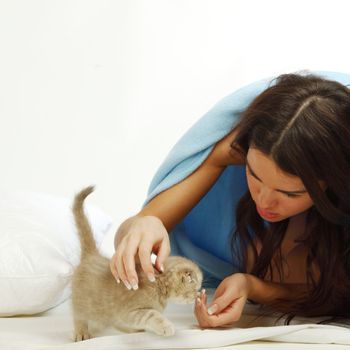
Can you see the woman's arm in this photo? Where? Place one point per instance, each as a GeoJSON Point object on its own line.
{"type": "Point", "coordinates": [174, 203]}
{"type": "Point", "coordinates": [265, 292]}
{"type": "Point", "coordinates": [171, 205]}
{"type": "Point", "coordinates": [146, 232]}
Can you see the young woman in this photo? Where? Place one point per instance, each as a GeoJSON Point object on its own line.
{"type": "Point", "coordinates": [292, 232]}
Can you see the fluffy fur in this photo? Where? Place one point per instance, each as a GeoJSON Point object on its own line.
{"type": "Point", "coordinates": [99, 300]}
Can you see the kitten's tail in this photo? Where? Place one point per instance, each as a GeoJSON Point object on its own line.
{"type": "Point", "coordinates": [87, 241]}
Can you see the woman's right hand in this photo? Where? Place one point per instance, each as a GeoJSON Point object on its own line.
{"type": "Point", "coordinates": [137, 239]}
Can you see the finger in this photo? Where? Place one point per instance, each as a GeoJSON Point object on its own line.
{"type": "Point", "coordinates": [120, 267]}
{"type": "Point", "coordinates": [204, 319]}
{"type": "Point", "coordinates": [220, 303]}
{"type": "Point", "coordinates": [162, 254]}
{"type": "Point", "coordinates": [129, 265]}
{"type": "Point", "coordinates": [122, 250]}
{"type": "Point", "coordinates": [204, 297]}
{"type": "Point", "coordinates": [145, 251]}
{"type": "Point", "coordinates": [112, 265]}
{"type": "Point", "coordinates": [231, 314]}
{"type": "Point", "coordinates": [201, 313]}
{"type": "Point", "coordinates": [212, 321]}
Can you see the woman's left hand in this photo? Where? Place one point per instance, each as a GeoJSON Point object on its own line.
{"type": "Point", "coordinates": [227, 305]}
{"type": "Point", "coordinates": [223, 154]}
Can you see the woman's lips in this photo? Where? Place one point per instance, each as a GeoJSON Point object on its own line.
{"type": "Point", "coordinates": [266, 214]}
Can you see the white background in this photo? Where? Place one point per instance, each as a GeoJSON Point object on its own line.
{"type": "Point", "coordinates": [97, 92]}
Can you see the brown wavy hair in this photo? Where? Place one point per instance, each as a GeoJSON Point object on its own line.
{"type": "Point", "coordinates": [302, 121]}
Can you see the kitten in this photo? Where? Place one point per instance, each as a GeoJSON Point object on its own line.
{"type": "Point", "coordinates": [99, 300]}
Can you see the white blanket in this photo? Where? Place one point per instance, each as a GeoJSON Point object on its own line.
{"type": "Point", "coordinates": [52, 330]}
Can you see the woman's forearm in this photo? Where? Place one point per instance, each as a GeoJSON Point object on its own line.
{"type": "Point", "coordinates": [171, 205]}
{"type": "Point", "coordinates": [265, 292]}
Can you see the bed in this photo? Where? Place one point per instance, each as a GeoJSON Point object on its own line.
{"type": "Point", "coordinates": [38, 253]}
{"type": "Point", "coordinates": [52, 330]}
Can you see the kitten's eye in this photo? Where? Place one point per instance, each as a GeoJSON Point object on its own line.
{"type": "Point", "coordinates": [187, 278]}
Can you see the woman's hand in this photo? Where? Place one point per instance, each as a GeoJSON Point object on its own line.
{"type": "Point", "coordinates": [227, 305]}
{"type": "Point", "coordinates": [223, 154]}
{"type": "Point", "coordinates": [138, 238]}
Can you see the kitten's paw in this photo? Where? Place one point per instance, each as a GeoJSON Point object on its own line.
{"type": "Point", "coordinates": [166, 330]}
{"type": "Point", "coordinates": [79, 336]}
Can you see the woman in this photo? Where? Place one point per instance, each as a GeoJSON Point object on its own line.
{"type": "Point", "coordinates": [291, 240]}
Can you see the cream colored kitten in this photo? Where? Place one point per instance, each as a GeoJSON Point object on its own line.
{"type": "Point", "coordinates": [98, 299]}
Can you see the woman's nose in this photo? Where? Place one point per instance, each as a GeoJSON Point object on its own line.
{"type": "Point", "coordinates": [266, 198]}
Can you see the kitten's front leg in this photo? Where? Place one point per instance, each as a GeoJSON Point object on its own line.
{"type": "Point", "coordinates": [81, 330]}
{"type": "Point", "coordinates": [150, 320]}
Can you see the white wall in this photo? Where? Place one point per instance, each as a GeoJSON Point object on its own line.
{"type": "Point", "coordinates": [98, 91]}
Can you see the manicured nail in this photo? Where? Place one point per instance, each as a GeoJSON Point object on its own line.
{"type": "Point", "coordinates": [151, 277]}
{"type": "Point", "coordinates": [203, 291]}
{"type": "Point", "coordinates": [127, 285]}
{"type": "Point", "coordinates": [134, 285]}
{"type": "Point", "coordinates": [118, 280]}
{"type": "Point", "coordinates": [212, 309]}
{"type": "Point", "coordinates": [198, 301]}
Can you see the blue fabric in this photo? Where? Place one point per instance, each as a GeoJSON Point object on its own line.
{"type": "Point", "coordinates": [204, 234]}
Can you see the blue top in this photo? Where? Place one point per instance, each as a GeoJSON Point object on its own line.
{"type": "Point", "coordinates": [204, 234]}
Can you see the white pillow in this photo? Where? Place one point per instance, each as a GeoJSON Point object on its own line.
{"type": "Point", "coordinates": [39, 249]}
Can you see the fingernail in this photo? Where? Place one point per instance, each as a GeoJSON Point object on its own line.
{"type": "Point", "coordinates": [203, 291]}
{"type": "Point", "coordinates": [127, 285]}
{"type": "Point", "coordinates": [151, 277]}
{"type": "Point", "coordinates": [198, 301]}
{"type": "Point", "coordinates": [134, 285]}
{"type": "Point", "coordinates": [212, 309]}
{"type": "Point", "coordinates": [162, 268]}
{"type": "Point", "coordinates": [118, 280]}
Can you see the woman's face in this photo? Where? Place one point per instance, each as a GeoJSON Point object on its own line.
{"type": "Point", "coordinates": [277, 195]}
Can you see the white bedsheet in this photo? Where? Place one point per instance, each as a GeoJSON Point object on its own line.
{"type": "Point", "coordinates": [52, 330]}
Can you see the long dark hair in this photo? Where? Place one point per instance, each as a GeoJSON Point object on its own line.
{"type": "Point", "coordinates": [302, 121]}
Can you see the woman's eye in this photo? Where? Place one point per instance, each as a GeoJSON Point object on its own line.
{"type": "Point", "coordinates": [251, 174]}
{"type": "Point", "coordinates": [291, 195]}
